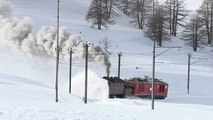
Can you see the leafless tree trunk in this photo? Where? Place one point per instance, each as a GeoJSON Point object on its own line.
{"type": "Point", "coordinates": [193, 33]}
{"type": "Point", "coordinates": [98, 13]}
{"type": "Point", "coordinates": [177, 13]}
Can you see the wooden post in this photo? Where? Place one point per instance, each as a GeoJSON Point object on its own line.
{"type": "Point", "coordinates": [86, 71]}
{"type": "Point", "coordinates": [119, 64]}
{"type": "Point", "coordinates": [57, 57]}
{"type": "Point", "coordinates": [70, 70]}
{"type": "Point", "coordinates": [188, 78]}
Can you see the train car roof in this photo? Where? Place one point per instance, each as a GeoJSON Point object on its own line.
{"type": "Point", "coordinates": [146, 79]}
{"type": "Point", "coordinates": [114, 80]}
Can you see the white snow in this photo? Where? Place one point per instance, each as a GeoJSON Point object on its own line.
{"type": "Point", "coordinates": [27, 81]}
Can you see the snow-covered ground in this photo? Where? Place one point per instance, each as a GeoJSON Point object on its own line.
{"type": "Point", "coordinates": [27, 81]}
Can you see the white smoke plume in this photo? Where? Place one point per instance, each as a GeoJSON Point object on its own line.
{"type": "Point", "coordinates": [5, 9]}
{"type": "Point", "coordinates": [18, 32]}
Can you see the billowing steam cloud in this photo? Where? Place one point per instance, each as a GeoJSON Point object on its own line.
{"type": "Point", "coordinates": [19, 32]}
{"type": "Point", "coordinates": [5, 9]}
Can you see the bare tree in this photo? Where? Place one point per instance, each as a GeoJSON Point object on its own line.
{"type": "Point", "coordinates": [176, 14]}
{"type": "Point", "coordinates": [156, 26]}
{"type": "Point", "coordinates": [206, 13]}
{"type": "Point", "coordinates": [110, 6]}
{"type": "Point", "coordinates": [193, 33]}
{"type": "Point", "coordinates": [139, 11]}
{"type": "Point", "coordinates": [98, 14]}
{"type": "Point", "coordinates": [106, 44]}
{"type": "Point", "coordinates": [123, 5]}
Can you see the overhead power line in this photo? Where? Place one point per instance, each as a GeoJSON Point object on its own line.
{"type": "Point", "coordinates": [119, 41]}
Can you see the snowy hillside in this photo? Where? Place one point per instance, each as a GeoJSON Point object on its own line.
{"type": "Point", "coordinates": [27, 67]}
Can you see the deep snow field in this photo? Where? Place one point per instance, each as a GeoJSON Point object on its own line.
{"type": "Point", "coordinates": [27, 69]}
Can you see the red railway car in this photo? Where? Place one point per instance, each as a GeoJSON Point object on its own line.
{"type": "Point", "coordinates": [142, 87]}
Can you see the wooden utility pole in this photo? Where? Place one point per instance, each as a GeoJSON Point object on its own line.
{"type": "Point", "coordinates": [153, 62]}
{"type": "Point", "coordinates": [57, 57]}
{"type": "Point", "coordinates": [188, 78]}
{"type": "Point", "coordinates": [70, 70]}
{"type": "Point", "coordinates": [86, 45]}
{"type": "Point", "coordinates": [153, 67]}
{"type": "Point", "coordinates": [119, 64]}
{"type": "Point", "coordinates": [153, 73]}
{"type": "Point", "coordinates": [189, 68]}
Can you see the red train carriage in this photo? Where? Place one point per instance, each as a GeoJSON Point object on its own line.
{"type": "Point", "coordinates": [142, 88]}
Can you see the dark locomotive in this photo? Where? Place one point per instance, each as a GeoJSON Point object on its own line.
{"type": "Point", "coordinates": [118, 87]}
{"type": "Point", "coordinates": [138, 87]}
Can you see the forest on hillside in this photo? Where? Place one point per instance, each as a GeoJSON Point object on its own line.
{"type": "Point", "coordinates": [160, 21]}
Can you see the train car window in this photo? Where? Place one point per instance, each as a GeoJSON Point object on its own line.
{"type": "Point", "coordinates": [142, 88]}
{"type": "Point", "coordinates": [161, 88]}
{"type": "Point", "coordinates": [137, 86]}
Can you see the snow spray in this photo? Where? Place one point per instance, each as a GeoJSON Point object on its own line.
{"type": "Point", "coordinates": [97, 87]}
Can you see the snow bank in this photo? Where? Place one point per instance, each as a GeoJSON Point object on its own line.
{"type": "Point", "coordinates": [97, 87]}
